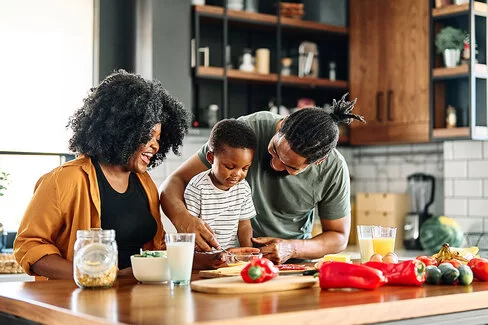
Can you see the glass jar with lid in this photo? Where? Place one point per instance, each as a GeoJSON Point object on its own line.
{"type": "Point", "coordinates": [95, 258]}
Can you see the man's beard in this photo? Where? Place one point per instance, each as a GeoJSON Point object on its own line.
{"type": "Point", "coordinates": [269, 170]}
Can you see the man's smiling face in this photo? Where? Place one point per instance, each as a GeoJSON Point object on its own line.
{"type": "Point", "coordinates": [283, 158]}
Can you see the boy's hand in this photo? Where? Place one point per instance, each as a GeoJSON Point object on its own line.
{"type": "Point", "coordinates": [204, 236]}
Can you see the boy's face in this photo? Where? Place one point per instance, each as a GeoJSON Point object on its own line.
{"type": "Point", "coordinates": [229, 166]}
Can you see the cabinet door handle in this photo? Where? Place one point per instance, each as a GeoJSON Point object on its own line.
{"type": "Point", "coordinates": [378, 105]}
{"type": "Point", "coordinates": [388, 105]}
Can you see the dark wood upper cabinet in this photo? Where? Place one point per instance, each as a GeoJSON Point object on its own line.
{"type": "Point", "coordinates": [389, 70]}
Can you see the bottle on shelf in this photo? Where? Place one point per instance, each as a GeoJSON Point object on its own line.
{"type": "Point", "coordinates": [332, 71]}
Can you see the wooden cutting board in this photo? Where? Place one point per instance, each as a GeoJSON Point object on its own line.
{"type": "Point", "coordinates": [235, 271]}
{"type": "Point", "coordinates": [230, 285]}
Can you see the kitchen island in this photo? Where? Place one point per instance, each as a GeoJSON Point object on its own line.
{"type": "Point", "coordinates": [62, 302]}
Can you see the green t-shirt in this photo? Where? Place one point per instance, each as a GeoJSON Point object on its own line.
{"type": "Point", "coordinates": [285, 204]}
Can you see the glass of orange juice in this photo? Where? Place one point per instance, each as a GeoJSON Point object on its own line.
{"type": "Point", "coordinates": [384, 240]}
{"type": "Point", "coordinates": [365, 240]}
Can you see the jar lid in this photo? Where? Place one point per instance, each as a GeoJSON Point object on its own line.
{"type": "Point", "coordinates": [95, 258]}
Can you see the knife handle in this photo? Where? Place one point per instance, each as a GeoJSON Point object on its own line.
{"type": "Point", "coordinates": [310, 272]}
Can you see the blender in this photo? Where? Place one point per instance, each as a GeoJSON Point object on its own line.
{"type": "Point", "coordinates": [421, 189]}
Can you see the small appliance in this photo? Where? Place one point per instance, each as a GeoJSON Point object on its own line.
{"type": "Point", "coordinates": [421, 190]}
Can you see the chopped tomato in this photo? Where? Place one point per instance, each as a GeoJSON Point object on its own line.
{"type": "Point", "coordinates": [427, 260]}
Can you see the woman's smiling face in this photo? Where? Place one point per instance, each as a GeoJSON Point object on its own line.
{"type": "Point", "coordinates": [140, 159]}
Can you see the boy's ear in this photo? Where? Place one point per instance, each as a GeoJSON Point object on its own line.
{"type": "Point", "coordinates": [210, 157]}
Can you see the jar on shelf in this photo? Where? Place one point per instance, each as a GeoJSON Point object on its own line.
{"type": "Point", "coordinates": [95, 258]}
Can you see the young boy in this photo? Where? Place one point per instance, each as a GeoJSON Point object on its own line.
{"type": "Point", "coordinates": [221, 196]}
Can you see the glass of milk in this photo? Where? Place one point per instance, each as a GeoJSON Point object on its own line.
{"type": "Point", "coordinates": [180, 248]}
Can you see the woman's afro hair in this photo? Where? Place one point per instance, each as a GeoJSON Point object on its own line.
{"type": "Point", "coordinates": [117, 118]}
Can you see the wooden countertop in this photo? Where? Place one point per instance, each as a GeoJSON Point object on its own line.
{"type": "Point", "coordinates": [62, 302]}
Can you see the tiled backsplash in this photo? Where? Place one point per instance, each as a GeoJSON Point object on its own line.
{"type": "Point", "coordinates": [385, 168]}
{"type": "Point", "coordinates": [466, 183]}
{"type": "Point", "coordinates": [459, 167]}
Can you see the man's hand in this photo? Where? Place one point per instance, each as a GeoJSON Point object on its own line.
{"type": "Point", "coordinates": [204, 236]}
{"type": "Point", "coordinates": [275, 249]}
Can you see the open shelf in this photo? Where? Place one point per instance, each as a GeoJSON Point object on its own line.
{"type": "Point", "coordinates": [251, 76]}
{"type": "Point", "coordinates": [314, 82]}
{"type": "Point", "coordinates": [451, 10]}
{"type": "Point", "coordinates": [232, 74]}
{"type": "Point", "coordinates": [459, 71]}
{"type": "Point", "coordinates": [460, 132]}
{"type": "Point", "coordinates": [265, 19]}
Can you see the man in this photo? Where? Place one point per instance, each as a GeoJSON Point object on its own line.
{"type": "Point", "coordinates": [295, 169]}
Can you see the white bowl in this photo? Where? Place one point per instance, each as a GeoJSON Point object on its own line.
{"type": "Point", "coordinates": [150, 269]}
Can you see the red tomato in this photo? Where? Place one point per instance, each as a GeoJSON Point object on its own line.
{"type": "Point", "coordinates": [427, 260]}
{"type": "Point", "coordinates": [454, 263]}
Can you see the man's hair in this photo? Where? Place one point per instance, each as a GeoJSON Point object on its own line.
{"type": "Point", "coordinates": [233, 133]}
{"type": "Point", "coordinates": [313, 132]}
{"type": "Point", "coordinates": [118, 116]}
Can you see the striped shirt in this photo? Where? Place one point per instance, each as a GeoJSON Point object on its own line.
{"type": "Point", "coordinates": [220, 209]}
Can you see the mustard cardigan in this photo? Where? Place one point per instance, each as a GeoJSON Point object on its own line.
{"type": "Point", "coordinates": [65, 200]}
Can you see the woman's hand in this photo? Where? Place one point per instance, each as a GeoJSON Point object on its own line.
{"type": "Point", "coordinates": [125, 273]}
{"type": "Point", "coordinates": [207, 261]}
{"type": "Point", "coordinates": [275, 249]}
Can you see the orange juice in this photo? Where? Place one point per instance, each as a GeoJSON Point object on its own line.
{"type": "Point", "coordinates": [366, 249]}
{"type": "Point", "coordinates": [383, 245]}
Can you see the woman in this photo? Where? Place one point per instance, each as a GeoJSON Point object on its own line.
{"type": "Point", "coordinates": [126, 125]}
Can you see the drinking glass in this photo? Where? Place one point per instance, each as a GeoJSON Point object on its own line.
{"type": "Point", "coordinates": [365, 239]}
{"type": "Point", "coordinates": [180, 248]}
{"type": "Point", "coordinates": [384, 240]}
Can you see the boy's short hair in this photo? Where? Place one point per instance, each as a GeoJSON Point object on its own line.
{"type": "Point", "coordinates": [233, 133]}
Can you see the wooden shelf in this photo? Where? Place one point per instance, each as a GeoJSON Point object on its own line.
{"type": "Point", "coordinates": [251, 76]}
{"type": "Point", "coordinates": [314, 82]}
{"type": "Point", "coordinates": [451, 133]}
{"type": "Point", "coordinates": [459, 71]}
{"type": "Point", "coordinates": [258, 18]}
{"type": "Point", "coordinates": [450, 10]}
{"type": "Point", "coordinates": [217, 72]}
{"type": "Point", "coordinates": [210, 71]}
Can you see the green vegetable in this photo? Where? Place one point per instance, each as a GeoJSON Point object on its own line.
{"type": "Point", "coordinates": [436, 231]}
{"type": "Point", "coordinates": [445, 266]}
{"type": "Point", "coordinates": [450, 275]}
{"type": "Point", "coordinates": [149, 254]}
{"type": "Point", "coordinates": [465, 275]}
{"type": "Point", "coordinates": [433, 274]}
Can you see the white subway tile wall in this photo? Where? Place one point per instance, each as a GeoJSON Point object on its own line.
{"type": "Point", "coordinates": [466, 187]}
{"type": "Point", "coordinates": [385, 168]}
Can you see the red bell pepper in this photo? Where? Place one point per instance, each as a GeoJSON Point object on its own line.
{"type": "Point", "coordinates": [411, 272]}
{"type": "Point", "coordinates": [259, 270]}
{"type": "Point", "coordinates": [347, 275]}
{"type": "Point", "coordinates": [479, 266]}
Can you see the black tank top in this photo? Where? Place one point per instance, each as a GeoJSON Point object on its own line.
{"type": "Point", "coordinates": [128, 214]}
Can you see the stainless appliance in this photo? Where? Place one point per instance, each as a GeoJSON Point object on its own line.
{"type": "Point", "coordinates": [421, 190]}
